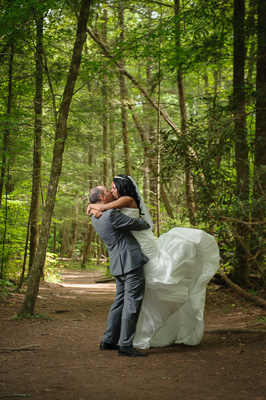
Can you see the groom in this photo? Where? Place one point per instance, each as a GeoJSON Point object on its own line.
{"type": "Point", "coordinates": [126, 265]}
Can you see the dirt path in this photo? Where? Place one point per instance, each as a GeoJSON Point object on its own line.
{"type": "Point", "coordinates": [59, 358]}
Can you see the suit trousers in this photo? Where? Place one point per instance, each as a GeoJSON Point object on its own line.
{"type": "Point", "coordinates": [124, 312]}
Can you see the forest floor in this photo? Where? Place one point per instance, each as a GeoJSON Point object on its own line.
{"type": "Point", "coordinates": [59, 358]}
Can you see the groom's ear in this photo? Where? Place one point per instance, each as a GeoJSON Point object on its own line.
{"type": "Point", "coordinates": [102, 197]}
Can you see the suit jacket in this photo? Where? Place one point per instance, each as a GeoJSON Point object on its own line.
{"type": "Point", "coordinates": [124, 251]}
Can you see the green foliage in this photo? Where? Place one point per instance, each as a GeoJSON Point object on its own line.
{"type": "Point", "coordinates": [107, 273]}
{"type": "Point", "coordinates": [5, 287]}
{"type": "Point", "coordinates": [253, 291]}
{"type": "Point", "coordinates": [13, 219]}
{"type": "Point", "coordinates": [52, 269]}
{"type": "Point", "coordinates": [5, 283]}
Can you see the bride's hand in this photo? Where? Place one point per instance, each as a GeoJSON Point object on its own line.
{"type": "Point", "coordinates": [95, 209]}
{"type": "Point", "coordinates": [91, 210]}
{"type": "Point", "coordinates": [96, 213]}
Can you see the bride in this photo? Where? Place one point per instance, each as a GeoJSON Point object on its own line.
{"type": "Point", "coordinates": [181, 263]}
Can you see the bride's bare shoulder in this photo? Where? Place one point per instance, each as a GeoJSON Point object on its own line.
{"type": "Point", "coordinates": [124, 201]}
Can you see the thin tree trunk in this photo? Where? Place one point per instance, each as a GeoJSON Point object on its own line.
{"type": "Point", "coordinates": [123, 97]}
{"type": "Point", "coordinates": [158, 158]}
{"type": "Point", "coordinates": [36, 174]}
{"type": "Point", "coordinates": [190, 197]}
{"type": "Point", "coordinates": [147, 128]}
{"type": "Point", "coordinates": [7, 130]}
{"type": "Point", "coordinates": [259, 180]}
{"type": "Point", "coordinates": [146, 197]}
{"type": "Point", "coordinates": [251, 62]}
{"type": "Point", "coordinates": [260, 135]}
{"type": "Point", "coordinates": [74, 233]}
{"type": "Point", "coordinates": [51, 87]}
{"type": "Point", "coordinates": [25, 257]}
{"type": "Point", "coordinates": [65, 239]}
{"type": "Point", "coordinates": [241, 269]}
{"type": "Point", "coordinates": [251, 39]}
{"type": "Point", "coordinates": [147, 149]}
{"type": "Point", "coordinates": [88, 230]}
{"type": "Point", "coordinates": [112, 135]}
{"type": "Point", "coordinates": [3, 239]}
{"type": "Point", "coordinates": [105, 131]}
{"type": "Point", "coordinates": [105, 115]}
{"type": "Point", "coordinates": [88, 237]}
{"type": "Point", "coordinates": [5, 160]}
{"type": "Point", "coordinates": [54, 238]}
{"type": "Point", "coordinates": [60, 138]}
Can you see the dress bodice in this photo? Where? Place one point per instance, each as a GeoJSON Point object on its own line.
{"type": "Point", "coordinates": [130, 212]}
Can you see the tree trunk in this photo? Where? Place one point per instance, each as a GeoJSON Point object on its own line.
{"type": "Point", "coordinates": [260, 135]}
{"type": "Point", "coordinates": [74, 233]}
{"type": "Point", "coordinates": [111, 120]}
{"type": "Point", "coordinates": [7, 130]}
{"type": "Point", "coordinates": [54, 238]}
{"type": "Point", "coordinates": [105, 132]}
{"type": "Point", "coordinates": [5, 160]}
{"type": "Point", "coordinates": [60, 138]}
{"type": "Point", "coordinates": [259, 180]}
{"type": "Point", "coordinates": [105, 114]}
{"type": "Point", "coordinates": [88, 237]}
{"type": "Point", "coordinates": [241, 268]}
{"type": "Point", "coordinates": [251, 39]}
{"type": "Point", "coordinates": [88, 230]}
{"type": "Point", "coordinates": [147, 128]}
{"type": "Point", "coordinates": [123, 97]}
{"type": "Point", "coordinates": [158, 155]}
{"type": "Point", "coordinates": [146, 197]}
{"type": "Point", "coordinates": [147, 145]}
{"type": "Point", "coordinates": [36, 174]}
{"type": "Point", "coordinates": [190, 198]}
{"type": "Point", "coordinates": [112, 139]}
{"type": "Point", "coordinates": [65, 239]}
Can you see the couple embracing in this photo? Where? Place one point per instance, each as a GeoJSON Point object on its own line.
{"type": "Point", "coordinates": [160, 283]}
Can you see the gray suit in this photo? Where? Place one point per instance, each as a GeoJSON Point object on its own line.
{"type": "Point", "coordinates": [126, 264]}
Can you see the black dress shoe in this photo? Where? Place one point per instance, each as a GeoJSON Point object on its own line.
{"type": "Point", "coordinates": [108, 346]}
{"type": "Point", "coordinates": [130, 352]}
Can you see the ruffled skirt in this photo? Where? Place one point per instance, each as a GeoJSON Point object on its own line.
{"type": "Point", "coordinates": [181, 263]}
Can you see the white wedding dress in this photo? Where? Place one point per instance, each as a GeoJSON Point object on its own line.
{"type": "Point", "coordinates": [181, 263]}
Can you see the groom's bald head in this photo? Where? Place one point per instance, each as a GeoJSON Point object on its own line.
{"type": "Point", "coordinates": [100, 194]}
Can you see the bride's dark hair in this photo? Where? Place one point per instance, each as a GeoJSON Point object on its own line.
{"type": "Point", "coordinates": [125, 187]}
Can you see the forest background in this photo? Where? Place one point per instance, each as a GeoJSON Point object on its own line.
{"type": "Point", "coordinates": [172, 93]}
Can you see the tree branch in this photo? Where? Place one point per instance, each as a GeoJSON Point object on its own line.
{"type": "Point", "coordinates": [96, 37]}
